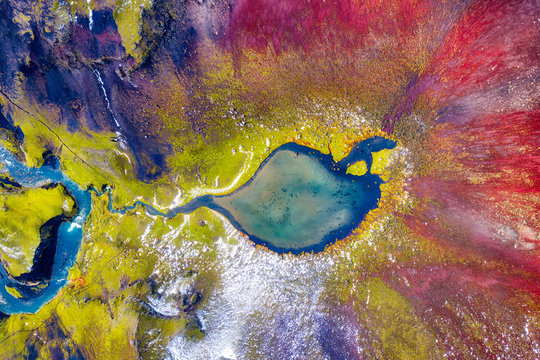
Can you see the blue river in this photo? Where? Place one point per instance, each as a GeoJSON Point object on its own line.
{"type": "Point", "coordinates": [35, 295]}
{"type": "Point", "coordinates": [299, 200]}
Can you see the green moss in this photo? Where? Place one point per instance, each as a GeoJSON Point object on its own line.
{"type": "Point", "coordinates": [94, 327]}
{"type": "Point", "coordinates": [94, 309]}
{"type": "Point", "coordinates": [153, 335]}
{"type": "Point", "coordinates": [128, 18]}
{"type": "Point", "coordinates": [401, 333]}
{"type": "Point", "coordinates": [13, 291]}
{"type": "Point", "coordinates": [203, 225]}
{"type": "Point", "coordinates": [21, 216]}
{"type": "Point", "coordinates": [9, 141]}
{"type": "Point", "coordinates": [97, 162]}
{"type": "Point", "coordinates": [358, 169]}
{"type": "Point", "coordinates": [193, 330]}
{"type": "Point", "coordinates": [15, 332]}
{"type": "Point", "coordinates": [238, 129]}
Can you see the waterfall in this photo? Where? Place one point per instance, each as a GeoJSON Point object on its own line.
{"type": "Point", "coordinates": [119, 135]}
{"type": "Point", "coordinates": [100, 81]}
{"type": "Point", "coordinates": [90, 19]}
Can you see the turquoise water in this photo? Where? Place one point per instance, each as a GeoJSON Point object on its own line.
{"type": "Point", "coordinates": [299, 200]}
{"type": "Point", "coordinates": [70, 234]}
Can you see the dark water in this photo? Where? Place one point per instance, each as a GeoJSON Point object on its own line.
{"type": "Point", "coordinates": [299, 200]}
{"type": "Point", "coordinates": [68, 239]}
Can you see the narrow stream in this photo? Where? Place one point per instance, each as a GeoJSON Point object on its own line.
{"type": "Point", "coordinates": [298, 200]}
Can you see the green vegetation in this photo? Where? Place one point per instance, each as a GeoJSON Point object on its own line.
{"type": "Point", "coordinates": [358, 169]}
{"type": "Point", "coordinates": [153, 335]}
{"type": "Point", "coordinates": [21, 216]}
{"type": "Point", "coordinates": [401, 333]}
{"type": "Point", "coordinates": [121, 252]}
{"type": "Point", "coordinates": [124, 258]}
{"type": "Point", "coordinates": [99, 312]}
{"type": "Point", "coordinates": [128, 16]}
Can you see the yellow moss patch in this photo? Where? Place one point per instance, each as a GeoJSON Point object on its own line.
{"type": "Point", "coordinates": [390, 316]}
{"type": "Point", "coordinates": [14, 292]}
{"type": "Point", "coordinates": [21, 216]}
{"type": "Point", "coordinates": [381, 160]}
{"type": "Point", "coordinates": [358, 169]}
{"type": "Point", "coordinates": [128, 18]}
{"type": "Point", "coordinates": [93, 327]}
